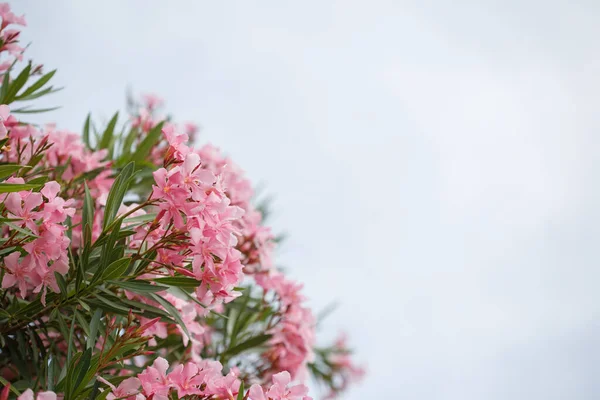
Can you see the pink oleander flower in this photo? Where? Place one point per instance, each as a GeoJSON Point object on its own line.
{"type": "Point", "coordinates": [8, 17]}
{"type": "Point", "coordinates": [56, 210]}
{"type": "Point", "coordinates": [186, 380]}
{"type": "Point", "coordinates": [154, 380]}
{"type": "Point", "coordinates": [225, 387]}
{"type": "Point", "coordinates": [17, 273]}
{"type": "Point", "coordinates": [28, 395]}
{"type": "Point", "coordinates": [23, 208]}
{"type": "Point", "coordinates": [280, 390]}
{"type": "Point", "coordinates": [129, 389]}
{"type": "Point", "coordinates": [291, 346]}
{"type": "Point", "coordinates": [152, 101]}
{"type": "Point", "coordinates": [191, 130]}
{"type": "Point", "coordinates": [4, 117]}
{"type": "Point", "coordinates": [178, 148]}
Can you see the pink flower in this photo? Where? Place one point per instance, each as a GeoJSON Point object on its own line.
{"type": "Point", "coordinates": [186, 380]}
{"type": "Point", "coordinates": [280, 390]}
{"type": "Point", "coordinates": [196, 179]}
{"type": "Point", "coordinates": [226, 387]}
{"type": "Point", "coordinates": [17, 274]}
{"type": "Point", "coordinates": [23, 210]}
{"type": "Point", "coordinates": [56, 209]}
{"type": "Point", "coordinates": [128, 389]}
{"type": "Point", "coordinates": [154, 379]}
{"type": "Point", "coordinates": [191, 130]}
{"type": "Point", "coordinates": [9, 18]}
{"type": "Point", "coordinates": [177, 143]}
{"type": "Point", "coordinates": [152, 101]}
{"type": "Point", "coordinates": [28, 395]}
{"type": "Point", "coordinates": [4, 116]}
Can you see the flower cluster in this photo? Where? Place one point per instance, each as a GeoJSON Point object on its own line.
{"type": "Point", "coordinates": [9, 38]}
{"type": "Point", "coordinates": [28, 395]}
{"type": "Point", "coordinates": [294, 336]}
{"type": "Point", "coordinates": [343, 368]}
{"type": "Point", "coordinates": [44, 215]}
{"type": "Point", "coordinates": [255, 241]}
{"type": "Point", "coordinates": [280, 390]}
{"type": "Point", "coordinates": [191, 201]}
{"type": "Point", "coordinates": [159, 264]}
{"type": "Point", "coordinates": [203, 379]}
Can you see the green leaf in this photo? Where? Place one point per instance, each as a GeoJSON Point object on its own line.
{"type": "Point", "coordinates": [91, 340]}
{"type": "Point", "coordinates": [107, 135]}
{"type": "Point", "coordinates": [116, 194]}
{"type": "Point", "coordinates": [39, 181]}
{"type": "Point", "coordinates": [71, 339]}
{"type": "Point", "coordinates": [143, 149]}
{"type": "Point", "coordinates": [37, 85]}
{"type": "Point", "coordinates": [24, 231]}
{"type": "Point", "coordinates": [16, 85]}
{"type": "Point", "coordinates": [12, 388]}
{"type": "Point", "coordinates": [195, 300]}
{"type": "Point", "coordinates": [39, 94]}
{"type": "Point", "coordinates": [86, 131]}
{"type": "Point", "coordinates": [29, 110]}
{"type": "Point", "coordinates": [95, 390]}
{"type": "Point", "coordinates": [17, 187]}
{"type": "Point", "coordinates": [139, 286]}
{"type": "Point", "coordinates": [140, 219]}
{"type": "Point", "coordinates": [248, 344]}
{"type": "Point", "coordinates": [51, 372]}
{"type": "Point", "coordinates": [88, 208]}
{"type": "Point", "coordinates": [127, 143]}
{"type": "Point", "coordinates": [113, 304]}
{"type": "Point", "coordinates": [147, 310]}
{"type": "Point", "coordinates": [116, 269]}
{"type": "Point", "coordinates": [62, 284]}
{"type": "Point", "coordinates": [5, 84]}
{"type": "Point", "coordinates": [83, 367]}
{"type": "Point", "coordinates": [171, 310]}
{"type": "Point", "coordinates": [7, 170]}
{"type": "Point", "coordinates": [179, 281]}
{"type": "Point", "coordinates": [81, 318]}
{"type": "Point", "coordinates": [240, 395]}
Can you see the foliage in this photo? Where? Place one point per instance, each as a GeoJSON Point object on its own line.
{"type": "Point", "coordinates": [126, 252]}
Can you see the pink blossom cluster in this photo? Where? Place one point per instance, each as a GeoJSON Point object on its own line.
{"type": "Point", "coordinates": [280, 389]}
{"type": "Point", "coordinates": [345, 370]}
{"type": "Point", "coordinates": [62, 151]}
{"type": "Point", "coordinates": [208, 196]}
{"type": "Point", "coordinates": [204, 226]}
{"type": "Point", "coordinates": [255, 241]}
{"type": "Point", "coordinates": [203, 379]}
{"type": "Point", "coordinates": [191, 313]}
{"type": "Point", "coordinates": [69, 151]}
{"type": "Point", "coordinates": [29, 395]}
{"type": "Point", "coordinates": [10, 37]}
{"type": "Point", "coordinates": [291, 346]}
{"type": "Point", "coordinates": [44, 215]}
{"type": "Point", "coordinates": [191, 201]}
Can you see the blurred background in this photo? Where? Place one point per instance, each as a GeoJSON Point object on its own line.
{"type": "Point", "coordinates": [434, 163]}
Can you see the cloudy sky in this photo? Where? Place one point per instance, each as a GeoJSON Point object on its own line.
{"type": "Point", "coordinates": [435, 164]}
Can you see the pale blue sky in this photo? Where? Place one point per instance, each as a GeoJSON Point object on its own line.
{"type": "Point", "coordinates": [434, 163]}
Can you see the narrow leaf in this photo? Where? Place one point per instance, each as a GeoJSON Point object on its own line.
{"type": "Point", "coordinates": [143, 149]}
{"type": "Point", "coordinates": [107, 135]}
{"type": "Point", "coordinates": [16, 187]}
{"type": "Point", "coordinates": [91, 340]}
